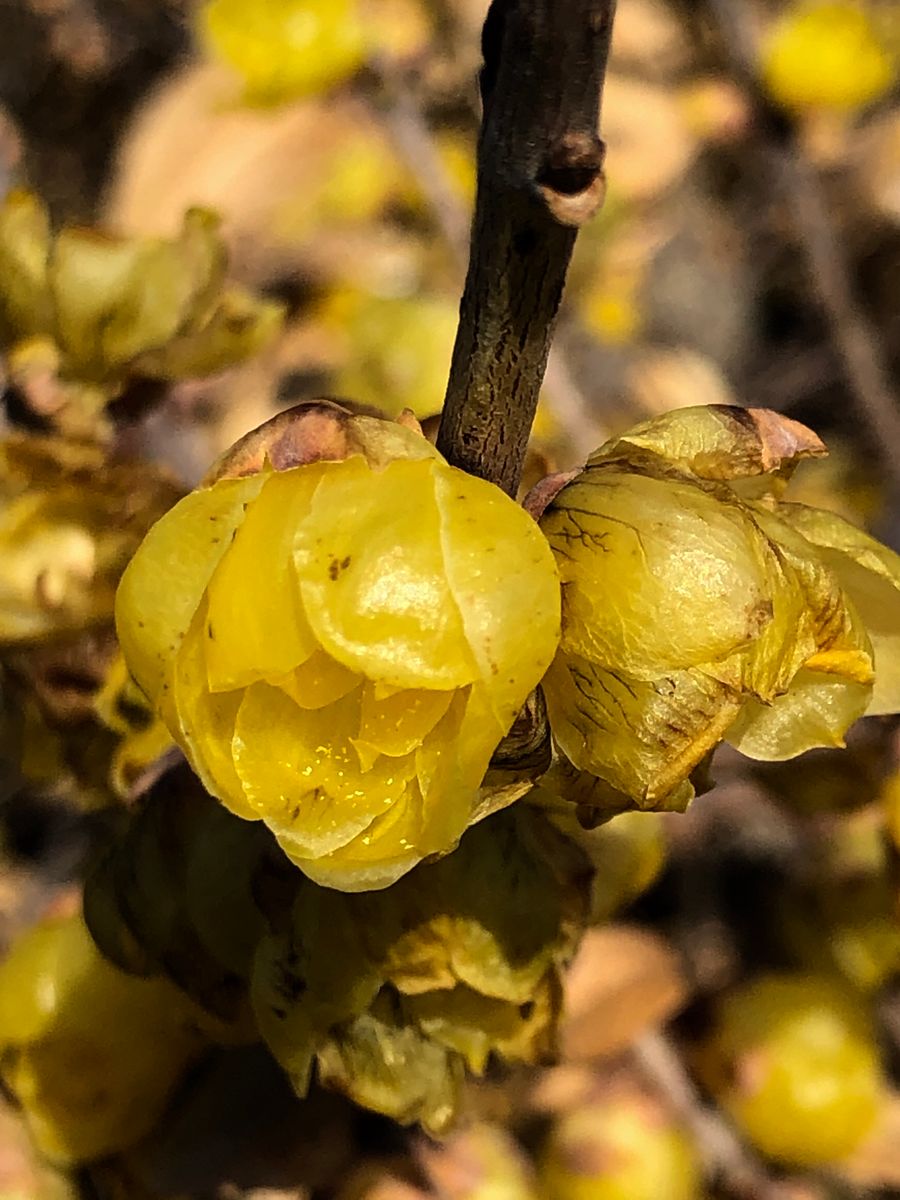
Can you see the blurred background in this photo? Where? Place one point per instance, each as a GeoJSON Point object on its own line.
{"type": "Point", "coordinates": [748, 252]}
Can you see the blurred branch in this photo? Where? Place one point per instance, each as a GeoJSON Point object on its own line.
{"type": "Point", "coordinates": [725, 1156]}
{"type": "Point", "coordinates": [801, 187]}
{"type": "Point", "coordinates": [539, 178]}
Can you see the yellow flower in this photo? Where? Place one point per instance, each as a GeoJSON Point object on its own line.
{"type": "Point", "coordinates": [827, 56]}
{"type": "Point", "coordinates": [90, 1054]}
{"type": "Point", "coordinates": [698, 606]}
{"type": "Point", "coordinates": [97, 308]}
{"type": "Point", "coordinates": [393, 993]}
{"type": "Point", "coordinates": [339, 646]}
{"type": "Point", "coordinates": [69, 522]}
{"type": "Point", "coordinates": [285, 49]}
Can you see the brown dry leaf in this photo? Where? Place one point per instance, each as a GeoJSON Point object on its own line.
{"type": "Point", "coordinates": [245, 163]}
{"type": "Point", "coordinates": [623, 980]}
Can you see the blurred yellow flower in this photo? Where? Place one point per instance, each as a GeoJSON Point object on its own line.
{"type": "Point", "coordinates": [69, 522]}
{"type": "Point", "coordinates": [338, 646]}
{"type": "Point", "coordinates": [697, 606]}
{"type": "Point", "coordinates": [98, 308]}
{"type": "Point", "coordinates": [285, 49]}
{"type": "Point", "coordinates": [91, 1055]}
{"type": "Point", "coordinates": [458, 961]}
{"type": "Point", "coordinates": [827, 56]}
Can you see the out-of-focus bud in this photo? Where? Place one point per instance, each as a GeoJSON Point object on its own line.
{"type": "Point", "coordinates": [698, 606]}
{"type": "Point", "coordinates": [69, 522]}
{"type": "Point", "coordinates": [95, 310]}
{"type": "Point", "coordinates": [483, 1162]}
{"type": "Point", "coordinates": [92, 1056]}
{"type": "Point", "coordinates": [827, 56]}
{"type": "Point", "coordinates": [285, 49]}
{"type": "Point", "coordinates": [624, 1147]}
{"type": "Point", "coordinates": [172, 894]}
{"type": "Point", "coordinates": [794, 1061]}
{"type": "Point", "coordinates": [457, 961]}
{"type": "Point", "coordinates": [331, 630]}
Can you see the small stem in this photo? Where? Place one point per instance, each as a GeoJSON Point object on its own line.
{"type": "Point", "coordinates": [724, 1154]}
{"type": "Point", "coordinates": [539, 178]}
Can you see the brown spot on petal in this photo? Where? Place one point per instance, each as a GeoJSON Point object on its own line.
{"type": "Point", "coordinates": [317, 431]}
{"type": "Point", "coordinates": [782, 439]}
{"type": "Point", "coordinates": [544, 492]}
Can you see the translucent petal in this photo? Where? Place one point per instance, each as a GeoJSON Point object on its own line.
{"type": "Point", "coordinates": [465, 1021]}
{"type": "Point", "coordinates": [24, 250]}
{"type": "Point", "coordinates": [301, 773]}
{"type": "Point", "coordinates": [498, 564]}
{"type": "Point", "coordinates": [374, 859]}
{"type": "Point", "coordinates": [372, 576]}
{"type": "Point", "coordinates": [319, 681]}
{"type": "Point", "coordinates": [257, 626]}
{"type": "Point", "coordinates": [719, 441]}
{"type": "Point", "coordinates": [206, 721]}
{"type": "Point", "coordinates": [817, 711]}
{"type": "Point", "coordinates": [163, 584]}
{"type": "Point", "coordinates": [657, 574]}
{"type": "Point", "coordinates": [394, 1069]}
{"type": "Point", "coordinates": [643, 738]}
{"type": "Point", "coordinates": [870, 575]}
{"type": "Point", "coordinates": [397, 724]}
{"type": "Point", "coordinates": [115, 299]}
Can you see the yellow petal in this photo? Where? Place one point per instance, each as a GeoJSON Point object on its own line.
{"type": "Point", "coordinates": [372, 578]}
{"type": "Point", "coordinates": [117, 298]}
{"type": "Point", "coordinates": [239, 328]}
{"type": "Point", "coordinates": [163, 584]}
{"type": "Point", "coordinates": [257, 626]}
{"type": "Point", "coordinates": [397, 724]}
{"type": "Point", "coordinates": [869, 573]}
{"type": "Point", "coordinates": [378, 857]}
{"type": "Point", "coordinates": [302, 775]}
{"type": "Point", "coordinates": [817, 711]}
{"type": "Point", "coordinates": [643, 738]}
{"type": "Point", "coordinates": [658, 574]}
{"type": "Point", "coordinates": [24, 250]}
{"type": "Point", "coordinates": [204, 722]}
{"type": "Point", "coordinates": [720, 441]}
{"type": "Point", "coordinates": [501, 571]}
{"type": "Point", "coordinates": [319, 681]}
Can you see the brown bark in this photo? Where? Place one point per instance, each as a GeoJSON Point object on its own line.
{"type": "Point", "coordinates": [540, 176]}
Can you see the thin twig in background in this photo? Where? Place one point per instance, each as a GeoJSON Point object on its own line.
{"type": "Point", "coordinates": [724, 1155]}
{"type": "Point", "coordinates": [402, 116]}
{"type": "Point", "coordinates": [801, 187]}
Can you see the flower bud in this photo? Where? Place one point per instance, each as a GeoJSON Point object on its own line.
{"type": "Point", "coordinates": [794, 1062]}
{"type": "Point", "coordinates": [69, 522]}
{"type": "Point", "coordinates": [698, 606]}
{"type": "Point", "coordinates": [330, 629]}
{"type": "Point", "coordinates": [90, 1054]}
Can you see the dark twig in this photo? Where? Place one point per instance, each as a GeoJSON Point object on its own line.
{"type": "Point", "coordinates": [404, 120]}
{"type": "Point", "coordinates": [801, 188]}
{"type": "Point", "coordinates": [540, 176]}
